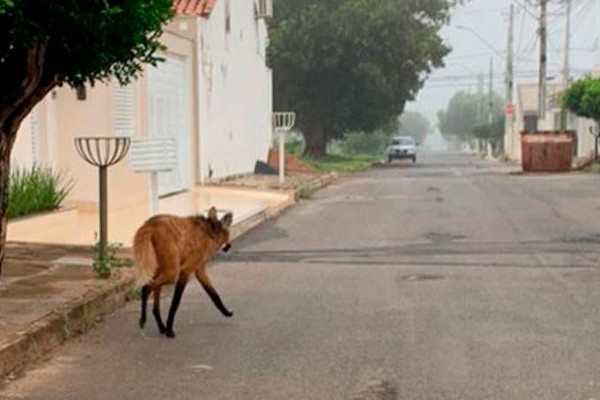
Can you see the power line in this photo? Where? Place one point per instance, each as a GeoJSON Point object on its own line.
{"type": "Point", "coordinates": [467, 56]}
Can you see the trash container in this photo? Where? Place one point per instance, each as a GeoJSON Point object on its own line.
{"type": "Point", "coordinates": [547, 151]}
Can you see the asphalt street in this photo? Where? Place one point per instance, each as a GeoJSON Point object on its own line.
{"type": "Point", "coordinates": [453, 278]}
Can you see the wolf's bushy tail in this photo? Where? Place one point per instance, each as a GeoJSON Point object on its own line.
{"type": "Point", "coordinates": [144, 255]}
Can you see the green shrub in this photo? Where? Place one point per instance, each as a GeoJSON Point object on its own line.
{"type": "Point", "coordinates": [35, 190]}
{"type": "Point", "coordinates": [105, 263]}
{"type": "Point", "coordinates": [595, 167]}
{"type": "Point", "coordinates": [373, 143]}
{"type": "Point", "coordinates": [342, 164]}
{"type": "Point", "coordinates": [307, 191]}
{"type": "Point", "coordinates": [294, 146]}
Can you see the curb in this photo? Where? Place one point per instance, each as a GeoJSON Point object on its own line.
{"type": "Point", "coordinates": [80, 315]}
{"type": "Point", "coordinates": [316, 184]}
{"type": "Point", "coordinates": [71, 320]}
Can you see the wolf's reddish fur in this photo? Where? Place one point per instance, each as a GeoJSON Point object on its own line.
{"type": "Point", "coordinates": [169, 249]}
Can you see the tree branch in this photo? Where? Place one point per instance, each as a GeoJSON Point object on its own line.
{"type": "Point", "coordinates": [24, 72]}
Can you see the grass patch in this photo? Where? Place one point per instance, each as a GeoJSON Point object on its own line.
{"type": "Point", "coordinates": [134, 294]}
{"type": "Point", "coordinates": [307, 191]}
{"type": "Point", "coordinates": [340, 163]}
{"type": "Point", "coordinates": [35, 190]}
{"type": "Point", "coordinates": [595, 167]}
{"type": "Point", "coordinates": [105, 263]}
{"type": "Point", "coordinates": [294, 146]}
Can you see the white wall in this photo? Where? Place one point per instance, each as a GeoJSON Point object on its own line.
{"type": "Point", "coordinates": [235, 90]}
{"type": "Point", "coordinates": [25, 151]}
{"type": "Point", "coordinates": [585, 140]}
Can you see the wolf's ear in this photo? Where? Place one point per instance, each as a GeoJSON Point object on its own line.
{"type": "Point", "coordinates": [212, 214]}
{"type": "Point", "coordinates": [227, 220]}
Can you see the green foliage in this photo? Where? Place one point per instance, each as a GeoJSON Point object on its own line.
{"type": "Point", "coordinates": [35, 190]}
{"type": "Point", "coordinates": [294, 146]}
{"type": "Point", "coordinates": [5, 5]}
{"type": "Point", "coordinates": [340, 163]}
{"type": "Point", "coordinates": [360, 142]}
{"type": "Point", "coordinates": [109, 260]}
{"type": "Point", "coordinates": [307, 191]}
{"type": "Point", "coordinates": [595, 167]}
{"type": "Point", "coordinates": [80, 40]}
{"type": "Point", "coordinates": [583, 98]}
{"type": "Point", "coordinates": [467, 112]}
{"type": "Point", "coordinates": [347, 65]}
{"type": "Point", "coordinates": [134, 294]}
{"type": "Point", "coordinates": [493, 131]}
{"type": "Point", "coordinates": [414, 124]}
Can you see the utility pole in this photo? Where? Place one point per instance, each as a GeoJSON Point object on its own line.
{"type": "Point", "coordinates": [566, 63]}
{"type": "Point", "coordinates": [491, 93]}
{"type": "Point", "coordinates": [509, 115]}
{"type": "Point", "coordinates": [490, 106]}
{"type": "Point", "coordinates": [543, 61]}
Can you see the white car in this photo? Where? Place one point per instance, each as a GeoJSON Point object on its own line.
{"type": "Point", "coordinates": [402, 148]}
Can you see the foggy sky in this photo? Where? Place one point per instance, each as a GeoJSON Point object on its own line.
{"type": "Point", "coordinates": [489, 19]}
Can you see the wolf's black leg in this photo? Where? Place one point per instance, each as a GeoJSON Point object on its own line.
{"type": "Point", "coordinates": [179, 288]}
{"type": "Point", "coordinates": [216, 299]}
{"type": "Point", "coordinates": [145, 294]}
{"type": "Point", "coordinates": [212, 293]}
{"type": "Point", "coordinates": [156, 312]}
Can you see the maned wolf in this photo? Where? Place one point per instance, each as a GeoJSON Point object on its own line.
{"type": "Point", "coordinates": [169, 249]}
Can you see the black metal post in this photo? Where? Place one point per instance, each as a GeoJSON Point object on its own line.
{"type": "Point", "coordinates": [103, 211]}
{"type": "Point", "coordinates": [103, 152]}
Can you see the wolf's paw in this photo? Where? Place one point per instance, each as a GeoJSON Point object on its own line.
{"type": "Point", "coordinates": [170, 333]}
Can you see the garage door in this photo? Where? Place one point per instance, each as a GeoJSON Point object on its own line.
{"type": "Point", "coordinates": [169, 115]}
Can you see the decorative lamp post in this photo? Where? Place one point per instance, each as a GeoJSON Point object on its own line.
{"type": "Point", "coordinates": [102, 152]}
{"type": "Point", "coordinates": [283, 122]}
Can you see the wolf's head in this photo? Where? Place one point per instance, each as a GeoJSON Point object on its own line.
{"type": "Point", "coordinates": [220, 228]}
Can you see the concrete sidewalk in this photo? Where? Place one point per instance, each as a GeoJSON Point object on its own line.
{"type": "Point", "coordinates": [48, 291]}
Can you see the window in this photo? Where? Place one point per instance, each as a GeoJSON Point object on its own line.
{"type": "Point", "coordinates": [403, 142]}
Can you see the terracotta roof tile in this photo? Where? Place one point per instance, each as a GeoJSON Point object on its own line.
{"type": "Point", "coordinates": [194, 7]}
{"type": "Point", "coordinates": [210, 4]}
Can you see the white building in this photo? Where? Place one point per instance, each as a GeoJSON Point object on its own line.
{"type": "Point", "coordinates": [213, 95]}
{"type": "Point", "coordinates": [235, 88]}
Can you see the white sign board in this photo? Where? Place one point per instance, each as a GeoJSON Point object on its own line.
{"type": "Point", "coordinates": [153, 155]}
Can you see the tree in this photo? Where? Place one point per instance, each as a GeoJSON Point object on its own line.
{"type": "Point", "coordinates": [583, 99]}
{"type": "Point", "coordinates": [44, 44]}
{"type": "Point", "coordinates": [347, 65]}
{"type": "Point", "coordinates": [414, 124]}
{"type": "Point", "coordinates": [468, 111]}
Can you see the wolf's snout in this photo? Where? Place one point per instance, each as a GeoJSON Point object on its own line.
{"type": "Point", "coordinates": [226, 248]}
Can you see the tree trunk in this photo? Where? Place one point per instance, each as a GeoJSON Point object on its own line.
{"type": "Point", "coordinates": [315, 139]}
{"type": "Point", "coordinates": [5, 149]}
{"type": "Point", "coordinates": [28, 80]}
{"type": "Point", "coordinates": [8, 134]}
{"type": "Point", "coordinates": [315, 148]}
